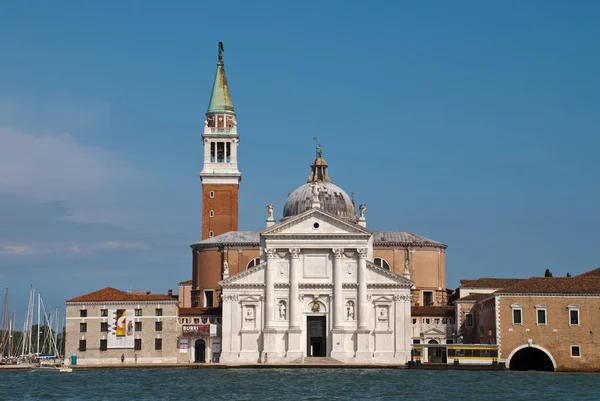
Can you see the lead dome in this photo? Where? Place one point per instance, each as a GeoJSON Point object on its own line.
{"type": "Point", "coordinates": [333, 199]}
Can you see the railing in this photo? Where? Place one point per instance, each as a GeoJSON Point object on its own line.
{"type": "Point", "coordinates": [215, 130]}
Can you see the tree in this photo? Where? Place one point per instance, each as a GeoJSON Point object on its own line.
{"type": "Point", "coordinates": [547, 273]}
{"type": "Point", "coordinates": [568, 274]}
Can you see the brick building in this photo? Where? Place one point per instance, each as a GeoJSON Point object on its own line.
{"type": "Point", "coordinates": [540, 323]}
{"type": "Point", "coordinates": [105, 325]}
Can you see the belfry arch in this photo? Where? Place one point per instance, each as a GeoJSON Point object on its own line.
{"type": "Point", "coordinates": [531, 357]}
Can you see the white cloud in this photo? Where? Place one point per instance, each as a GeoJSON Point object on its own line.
{"type": "Point", "coordinates": [17, 250]}
{"type": "Point", "coordinates": [70, 249]}
{"type": "Point", "coordinates": [57, 167]}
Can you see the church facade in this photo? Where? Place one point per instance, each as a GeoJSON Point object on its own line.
{"type": "Point", "coordinates": [316, 293]}
{"type": "Point", "coordinates": [316, 283]}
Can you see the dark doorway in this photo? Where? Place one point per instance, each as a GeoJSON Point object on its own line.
{"type": "Point", "coordinates": [315, 336]}
{"type": "Point", "coordinates": [530, 358]}
{"type": "Point", "coordinates": [200, 351]}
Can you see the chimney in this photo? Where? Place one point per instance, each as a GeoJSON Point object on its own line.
{"type": "Point", "coordinates": [147, 292]}
{"type": "Point", "coordinates": [170, 292]}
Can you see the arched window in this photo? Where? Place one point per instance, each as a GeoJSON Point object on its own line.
{"type": "Point", "coordinates": [382, 263]}
{"type": "Point", "coordinates": [253, 263]}
{"type": "Point", "coordinates": [211, 234]}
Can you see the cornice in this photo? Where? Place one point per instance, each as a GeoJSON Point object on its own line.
{"type": "Point", "coordinates": [232, 279]}
{"type": "Point", "coordinates": [292, 221]}
{"type": "Point", "coordinates": [155, 302]}
{"type": "Point", "coordinates": [399, 279]}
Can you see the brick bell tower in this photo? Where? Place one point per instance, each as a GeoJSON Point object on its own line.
{"type": "Point", "coordinates": [220, 175]}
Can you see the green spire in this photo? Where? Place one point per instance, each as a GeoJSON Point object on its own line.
{"type": "Point", "coordinates": [220, 99]}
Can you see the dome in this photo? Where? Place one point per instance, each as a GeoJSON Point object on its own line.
{"type": "Point", "coordinates": [332, 198]}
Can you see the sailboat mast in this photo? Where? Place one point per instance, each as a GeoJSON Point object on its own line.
{"type": "Point", "coordinates": [3, 332]}
{"type": "Point", "coordinates": [38, 328]}
{"type": "Point", "coordinates": [11, 328]}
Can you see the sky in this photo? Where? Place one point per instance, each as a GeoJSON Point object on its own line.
{"type": "Point", "coordinates": [471, 123]}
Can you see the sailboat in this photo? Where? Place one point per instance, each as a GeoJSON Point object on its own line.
{"type": "Point", "coordinates": [47, 361]}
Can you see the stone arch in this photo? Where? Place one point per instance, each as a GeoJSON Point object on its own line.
{"type": "Point", "coordinates": [538, 358]}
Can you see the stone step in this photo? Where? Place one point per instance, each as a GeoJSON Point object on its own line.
{"type": "Point", "coordinates": [318, 360]}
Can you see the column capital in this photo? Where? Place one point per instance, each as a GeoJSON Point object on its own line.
{"type": "Point", "coordinates": [362, 253]}
{"type": "Point", "coordinates": [294, 252]}
{"type": "Point", "coordinates": [271, 252]}
{"type": "Point", "coordinates": [338, 252]}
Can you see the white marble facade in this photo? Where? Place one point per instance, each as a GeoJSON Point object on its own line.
{"type": "Point", "coordinates": [316, 291]}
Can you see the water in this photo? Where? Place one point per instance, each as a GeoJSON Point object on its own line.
{"type": "Point", "coordinates": [296, 384]}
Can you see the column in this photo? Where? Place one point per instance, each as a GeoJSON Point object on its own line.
{"type": "Point", "coordinates": [234, 143]}
{"type": "Point", "coordinates": [295, 338]}
{"type": "Point", "coordinates": [294, 307]}
{"type": "Point", "coordinates": [270, 288]}
{"type": "Point", "coordinates": [206, 151]}
{"type": "Point", "coordinates": [338, 297]}
{"type": "Point", "coordinates": [363, 306]}
{"type": "Point", "coordinates": [363, 351]}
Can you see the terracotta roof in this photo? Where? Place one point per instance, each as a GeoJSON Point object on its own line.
{"type": "Point", "coordinates": [591, 273]}
{"type": "Point", "coordinates": [112, 294]}
{"type": "Point", "coordinates": [432, 311]}
{"type": "Point", "coordinates": [200, 311]}
{"type": "Point", "coordinates": [490, 282]}
{"type": "Point", "coordinates": [555, 285]}
{"type": "Point", "coordinates": [186, 282]}
{"type": "Point", "coordinates": [475, 296]}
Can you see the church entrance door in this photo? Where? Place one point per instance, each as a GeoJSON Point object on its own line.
{"type": "Point", "coordinates": [200, 346]}
{"type": "Point", "coordinates": [315, 336]}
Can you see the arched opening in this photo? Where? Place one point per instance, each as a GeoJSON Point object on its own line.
{"type": "Point", "coordinates": [381, 262]}
{"type": "Point", "coordinates": [200, 347]}
{"type": "Point", "coordinates": [254, 262]}
{"type": "Point", "coordinates": [531, 358]}
{"type": "Point", "coordinates": [433, 342]}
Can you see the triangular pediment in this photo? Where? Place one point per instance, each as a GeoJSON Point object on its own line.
{"type": "Point", "coordinates": [433, 332]}
{"type": "Point", "coordinates": [376, 274]}
{"type": "Point", "coordinates": [252, 276]}
{"type": "Point", "coordinates": [316, 222]}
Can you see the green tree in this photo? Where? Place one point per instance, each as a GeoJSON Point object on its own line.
{"type": "Point", "coordinates": [547, 273]}
{"type": "Point", "coordinates": [568, 274]}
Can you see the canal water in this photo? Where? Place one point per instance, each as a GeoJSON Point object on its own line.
{"type": "Point", "coordinates": [296, 384]}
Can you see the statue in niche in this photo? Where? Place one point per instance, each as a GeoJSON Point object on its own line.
{"type": "Point", "coordinates": [383, 314]}
{"type": "Point", "coordinates": [282, 310]}
{"type": "Point", "coordinates": [362, 209]}
{"type": "Point", "coordinates": [350, 310]}
{"type": "Point", "coordinates": [407, 265]}
{"type": "Point", "coordinates": [249, 313]}
{"type": "Point", "coordinates": [225, 268]}
{"type": "Point", "coordinates": [270, 209]}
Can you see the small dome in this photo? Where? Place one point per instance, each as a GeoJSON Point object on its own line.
{"type": "Point", "coordinates": [333, 200]}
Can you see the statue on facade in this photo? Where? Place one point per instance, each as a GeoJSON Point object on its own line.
{"type": "Point", "coordinates": [225, 268]}
{"type": "Point", "coordinates": [315, 191]}
{"type": "Point", "coordinates": [362, 208]}
{"type": "Point", "coordinates": [270, 209]}
{"type": "Point", "coordinates": [319, 151]}
{"type": "Point", "coordinates": [407, 266]}
{"type": "Point", "coordinates": [350, 310]}
{"type": "Point", "coordinates": [282, 310]}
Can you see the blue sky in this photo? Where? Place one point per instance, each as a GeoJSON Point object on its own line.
{"type": "Point", "coordinates": [471, 123]}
